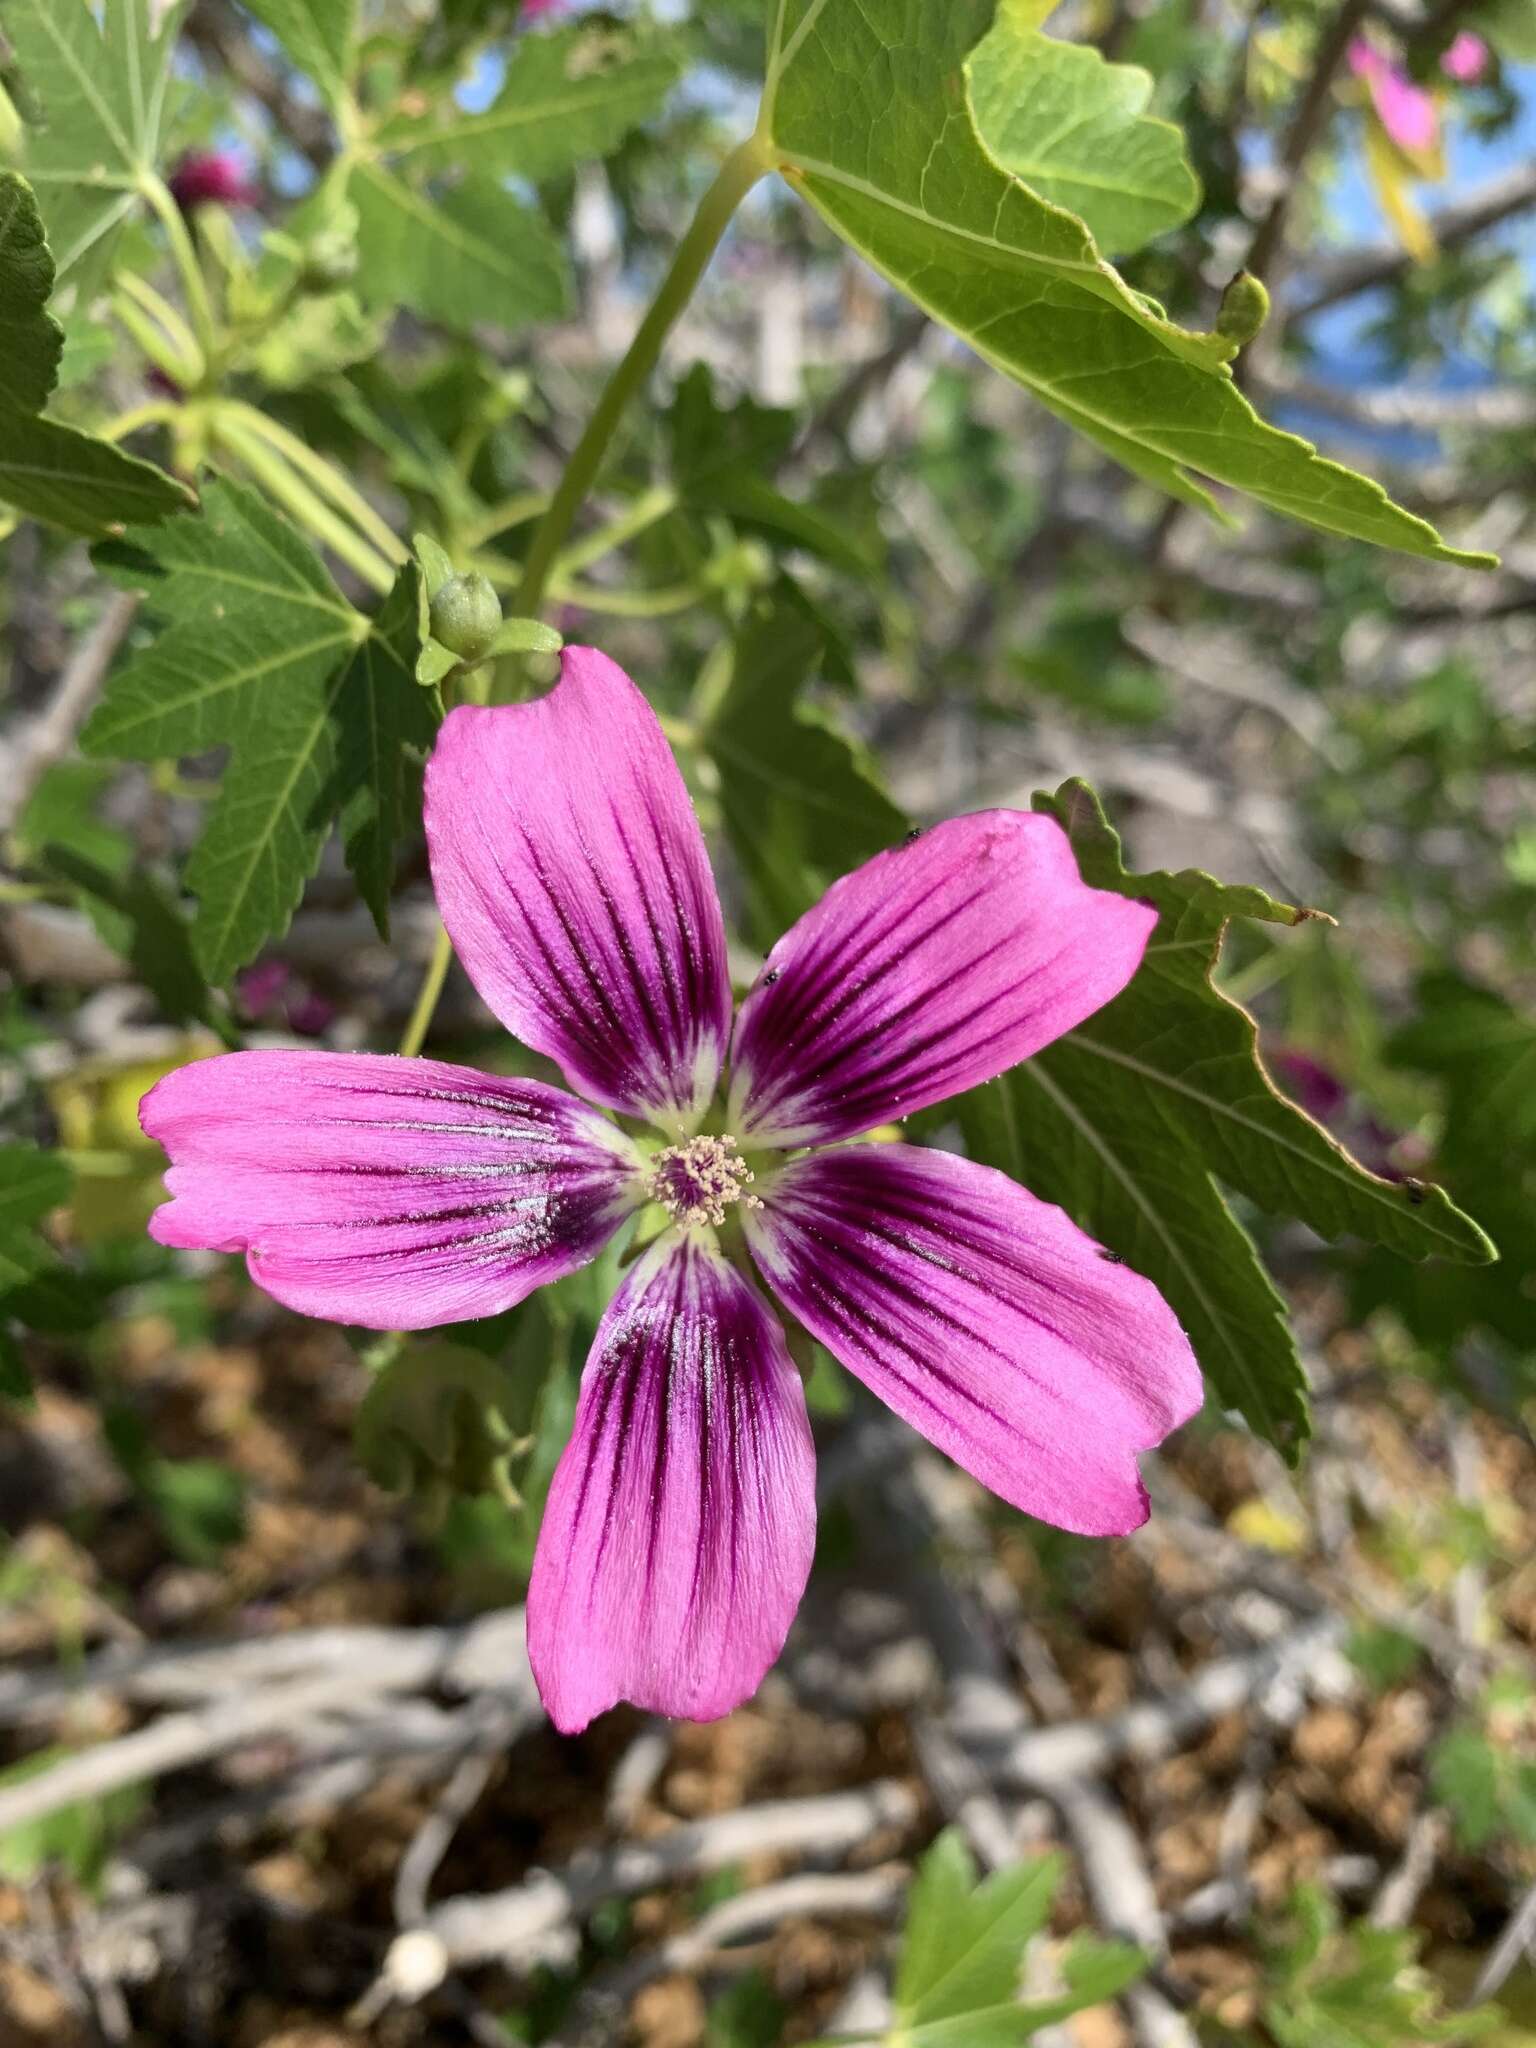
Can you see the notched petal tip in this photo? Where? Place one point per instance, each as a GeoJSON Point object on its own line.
{"type": "Point", "coordinates": [936, 966]}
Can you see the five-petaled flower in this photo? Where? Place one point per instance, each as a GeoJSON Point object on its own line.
{"type": "Point", "coordinates": [404, 1193]}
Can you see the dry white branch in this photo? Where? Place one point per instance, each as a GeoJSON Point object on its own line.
{"type": "Point", "coordinates": [1151, 1729]}
{"type": "Point", "coordinates": [249, 1689]}
{"type": "Point", "coordinates": [1377, 263]}
{"type": "Point", "coordinates": [1516, 1940]}
{"type": "Point", "coordinates": [845, 1895]}
{"type": "Point", "coordinates": [518, 1926]}
{"type": "Point", "coordinates": [487, 1654]}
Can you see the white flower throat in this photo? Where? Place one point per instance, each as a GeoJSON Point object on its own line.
{"type": "Point", "coordinates": [697, 1181]}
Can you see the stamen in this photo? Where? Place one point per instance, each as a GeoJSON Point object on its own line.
{"type": "Point", "coordinates": [697, 1181]}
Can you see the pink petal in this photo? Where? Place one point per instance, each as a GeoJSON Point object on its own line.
{"type": "Point", "coordinates": [571, 874]}
{"type": "Point", "coordinates": [1405, 110]}
{"type": "Point", "coordinates": [986, 1319]}
{"type": "Point", "coordinates": [394, 1193]}
{"type": "Point", "coordinates": [1467, 58]}
{"type": "Point", "coordinates": [934, 967]}
{"type": "Point", "coordinates": [678, 1534]}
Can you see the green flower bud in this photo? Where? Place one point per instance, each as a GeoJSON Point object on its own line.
{"type": "Point", "coordinates": [1244, 308]}
{"type": "Point", "coordinates": [466, 616]}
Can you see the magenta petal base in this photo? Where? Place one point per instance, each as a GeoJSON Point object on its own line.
{"type": "Point", "coordinates": [987, 1320]}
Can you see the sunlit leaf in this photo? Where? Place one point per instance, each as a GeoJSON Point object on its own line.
{"type": "Point", "coordinates": [1076, 130]}
{"type": "Point", "coordinates": [568, 98]}
{"type": "Point", "coordinates": [472, 254]}
{"type": "Point", "coordinates": [99, 74]}
{"type": "Point", "coordinates": [867, 110]}
{"type": "Point", "coordinates": [319, 35]}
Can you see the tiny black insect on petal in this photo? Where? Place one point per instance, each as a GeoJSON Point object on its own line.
{"type": "Point", "coordinates": [771, 976]}
{"type": "Point", "coordinates": [1111, 1258]}
{"type": "Point", "coordinates": [915, 833]}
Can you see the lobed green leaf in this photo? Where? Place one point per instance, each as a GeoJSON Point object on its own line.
{"type": "Point", "coordinates": [100, 74]}
{"type": "Point", "coordinates": [868, 112]}
{"type": "Point", "coordinates": [1133, 1123]}
{"type": "Point", "coordinates": [319, 708]}
{"type": "Point", "coordinates": [1075, 129]}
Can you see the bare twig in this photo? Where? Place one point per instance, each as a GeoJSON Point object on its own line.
{"type": "Point", "coordinates": [1151, 1729]}
{"type": "Point", "coordinates": [432, 1840]}
{"type": "Point", "coordinates": [49, 737]}
{"type": "Point", "coordinates": [1406, 1881]}
{"type": "Point", "coordinates": [519, 1925]}
{"type": "Point", "coordinates": [1379, 263]}
{"type": "Point", "coordinates": [1306, 126]}
{"type": "Point", "coordinates": [856, 1895]}
{"type": "Point", "coordinates": [1512, 1944]}
{"type": "Point", "coordinates": [487, 1654]}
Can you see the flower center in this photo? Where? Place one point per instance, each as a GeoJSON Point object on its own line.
{"type": "Point", "coordinates": [697, 1181]}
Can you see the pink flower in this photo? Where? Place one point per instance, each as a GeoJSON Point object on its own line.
{"type": "Point", "coordinates": [405, 1193]}
{"type": "Point", "coordinates": [1405, 110]}
{"type": "Point", "coordinates": [534, 10]}
{"type": "Point", "coordinates": [1467, 58]}
{"type": "Point", "coordinates": [212, 176]}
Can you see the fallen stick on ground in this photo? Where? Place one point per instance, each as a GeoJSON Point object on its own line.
{"type": "Point", "coordinates": [818, 1897]}
{"type": "Point", "coordinates": [1152, 1729]}
{"type": "Point", "coordinates": [487, 1654]}
{"type": "Point", "coordinates": [515, 1926]}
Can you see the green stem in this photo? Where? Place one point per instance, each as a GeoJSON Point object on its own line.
{"type": "Point", "coordinates": [155, 412]}
{"type": "Point", "coordinates": [737, 175]}
{"type": "Point", "coordinates": [184, 252]}
{"type": "Point", "coordinates": [741, 170]}
{"type": "Point", "coordinates": [501, 518]}
{"type": "Point", "coordinates": [648, 508]}
{"type": "Point", "coordinates": [183, 371]}
{"type": "Point", "coordinates": [330, 482]}
{"type": "Point", "coordinates": [281, 482]}
{"type": "Point", "coordinates": [626, 604]}
{"type": "Point", "coordinates": [414, 1037]}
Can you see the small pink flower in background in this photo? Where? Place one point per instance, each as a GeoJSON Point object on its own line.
{"type": "Point", "coordinates": [1329, 1101]}
{"type": "Point", "coordinates": [406, 1193]}
{"type": "Point", "coordinates": [1466, 59]}
{"type": "Point", "coordinates": [270, 992]}
{"type": "Point", "coordinates": [212, 177]}
{"type": "Point", "coordinates": [1405, 110]}
{"type": "Point", "coordinates": [533, 10]}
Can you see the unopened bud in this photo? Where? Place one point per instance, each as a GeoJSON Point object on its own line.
{"type": "Point", "coordinates": [466, 616]}
{"type": "Point", "coordinates": [1244, 308]}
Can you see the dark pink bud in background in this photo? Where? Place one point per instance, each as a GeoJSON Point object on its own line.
{"type": "Point", "coordinates": [1310, 1085]}
{"type": "Point", "coordinates": [262, 987]}
{"type": "Point", "coordinates": [212, 177]}
{"type": "Point", "coordinates": [311, 1016]}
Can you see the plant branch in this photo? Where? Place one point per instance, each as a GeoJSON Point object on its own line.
{"type": "Point", "coordinates": [1307, 124]}
{"type": "Point", "coordinates": [741, 170]}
